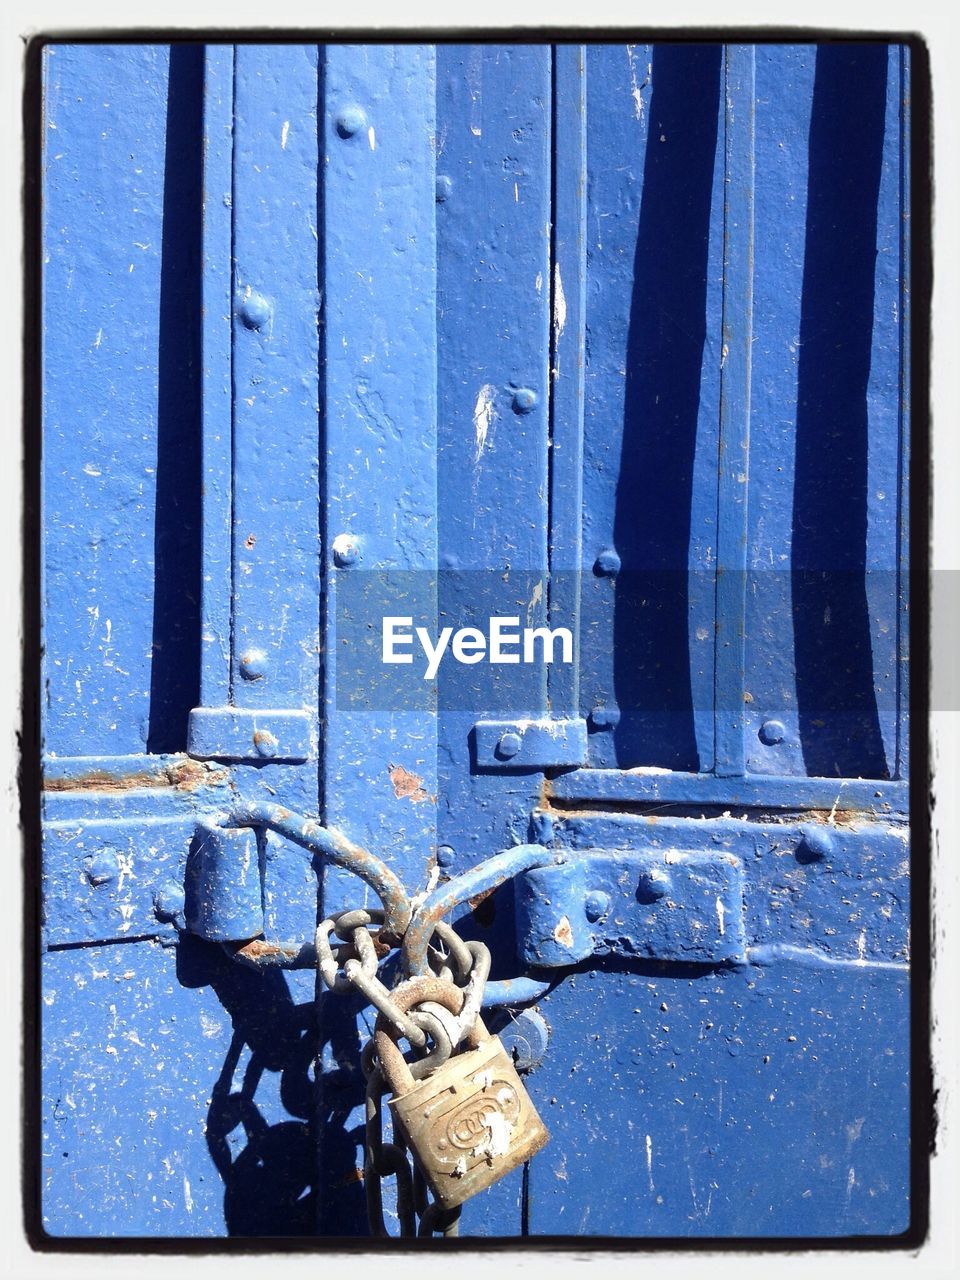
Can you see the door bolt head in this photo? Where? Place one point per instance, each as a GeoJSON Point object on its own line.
{"type": "Point", "coordinates": [350, 120]}
{"type": "Point", "coordinates": [346, 550]}
{"type": "Point", "coordinates": [508, 746]}
{"type": "Point", "coordinates": [168, 901]}
{"type": "Point", "coordinates": [596, 905]}
{"type": "Point", "coordinates": [607, 564]}
{"type": "Point", "coordinates": [816, 844]}
{"type": "Point", "coordinates": [255, 310]}
{"type": "Point", "coordinates": [445, 855]}
{"type": "Point", "coordinates": [101, 868]}
{"type": "Point", "coordinates": [265, 743]}
{"type": "Point", "coordinates": [771, 732]}
{"type": "Point", "coordinates": [253, 664]}
{"type": "Point", "coordinates": [524, 400]}
{"type": "Point", "coordinates": [444, 188]}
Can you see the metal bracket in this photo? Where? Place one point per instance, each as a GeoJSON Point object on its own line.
{"type": "Point", "coordinates": [676, 905]}
{"type": "Point", "coordinates": [505, 745]}
{"type": "Point", "coordinates": [233, 734]}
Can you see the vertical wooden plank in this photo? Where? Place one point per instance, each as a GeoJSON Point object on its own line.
{"type": "Point", "coordinates": [568, 336]}
{"type": "Point", "coordinates": [378, 247]}
{"type": "Point", "coordinates": [216, 409]}
{"type": "Point", "coordinates": [736, 356]}
{"type": "Point", "coordinates": [275, 533]}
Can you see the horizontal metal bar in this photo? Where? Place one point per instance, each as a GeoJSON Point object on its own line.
{"type": "Point", "coordinates": [674, 905]}
{"type": "Point", "coordinates": [644, 786]}
{"type": "Point", "coordinates": [232, 733]}
{"type": "Point", "coordinates": [506, 745]}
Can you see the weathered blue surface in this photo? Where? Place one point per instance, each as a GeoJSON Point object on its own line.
{"type": "Point", "coordinates": [461, 331]}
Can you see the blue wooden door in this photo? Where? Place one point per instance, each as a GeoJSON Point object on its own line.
{"type": "Point", "coordinates": [611, 338]}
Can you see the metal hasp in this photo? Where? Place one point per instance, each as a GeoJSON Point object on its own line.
{"type": "Point", "coordinates": [676, 905]}
{"type": "Point", "coordinates": [530, 744]}
{"type": "Point", "coordinates": [223, 884]}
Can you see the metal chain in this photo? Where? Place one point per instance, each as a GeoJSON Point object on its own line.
{"type": "Point", "coordinates": [352, 967]}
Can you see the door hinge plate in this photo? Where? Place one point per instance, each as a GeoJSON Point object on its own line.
{"type": "Point", "coordinates": [677, 905]}
{"type": "Point", "coordinates": [506, 745]}
{"type": "Point", "coordinates": [233, 734]}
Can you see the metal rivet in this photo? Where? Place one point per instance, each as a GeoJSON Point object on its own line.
{"type": "Point", "coordinates": [100, 868]}
{"type": "Point", "coordinates": [605, 717]}
{"type": "Point", "coordinates": [596, 904]}
{"type": "Point", "coordinates": [772, 732]}
{"type": "Point", "coordinates": [253, 664]}
{"type": "Point", "coordinates": [444, 187]}
{"type": "Point", "coordinates": [653, 885]}
{"type": "Point", "coordinates": [265, 743]}
{"type": "Point", "coordinates": [351, 120]}
{"type": "Point", "coordinates": [524, 399]}
{"type": "Point", "coordinates": [508, 746]}
{"type": "Point", "coordinates": [607, 564]}
{"type": "Point", "coordinates": [346, 550]}
{"type": "Point", "coordinates": [168, 901]}
{"type": "Point", "coordinates": [445, 855]}
{"type": "Point", "coordinates": [255, 310]}
{"type": "Point", "coordinates": [815, 845]}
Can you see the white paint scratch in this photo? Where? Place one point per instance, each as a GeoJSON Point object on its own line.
{"type": "Point", "coordinates": [284, 134]}
{"type": "Point", "coordinates": [721, 912]}
{"type": "Point", "coordinates": [187, 1196]}
{"type": "Point", "coordinates": [647, 1142]}
{"type": "Point", "coordinates": [635, 86]}
{"type": "Point", "coordinates": [483, 416]}
{"type": "Point", "coordinates": [559, 304]}
{"type": "Point", "coordinates": [372, 138]}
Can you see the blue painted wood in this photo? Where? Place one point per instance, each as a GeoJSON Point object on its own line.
{"type": "Point", "coordinates": [494, 131]}
{"type": "Point", "coordinates": [652, 352]}
{"type": "Point", "coordinates": [217, 405]}
{"type": "Point", "coordinates": [735, 371]}
{"type": "Point", "coordinates": [379, 439]}
{"type": "Point", "coordinates": [568, 306]}
{"type": "Point", "coordinates": [784, 87]}
{"type": "Point", "coordinates": [758, 1102]}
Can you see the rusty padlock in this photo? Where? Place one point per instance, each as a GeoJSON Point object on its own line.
{"type": "Point", "coordinates": [471, 1121]}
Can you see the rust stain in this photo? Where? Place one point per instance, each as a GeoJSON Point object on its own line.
{"type": "Point", "coordinates": [257, 948]}
{"type": "Point", "coordinates": [406, 785]}
{"type": "Point", "coordinates": [563, 933]}
{"type": "Point", "coordinates": [185, 775]}
{"type": "Point", "coordinates": [250, 541]}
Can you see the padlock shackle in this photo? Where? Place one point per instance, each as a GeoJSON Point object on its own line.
{"type": "Point", "coordinates": [396, 1072]}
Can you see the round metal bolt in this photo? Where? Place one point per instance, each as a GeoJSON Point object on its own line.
{"type": "Point", "coordinates": [653, 886]}
{"type": "Point", "coordinates": [605, 717]}
{"type": "Point", "coordinates": [168, 901]}
{"type": "Point", "coordinates": [255, 310]}
{"type": "Point", "coordinates": [346, 550]}
{"type": "Point", "coordinates": [445, 855]}
{"type": "Point", "coordinates": [596, 904]}
{"type": "Point", "coordinates": [508, 746]}
{"type": "Point", "coordinates": [253, 664]}
{"type": "Point", "coordinates": [525, 1038]}
{"type": "Point", "coordinates": [524, 400]}
{"type": "Point", "coordinates": [351, 120]}
{"type": "Point", "coordinates": [816, 844]}
{"type": "Point", "coordinates": [607, 564]}
{"type": "Point", "coordinates": [771, 732]}
{"type": "Point", "coordinates": [444, 188]}
{"type": "Point", "coordinates": [102, 867]}
{"type": "Point", "coordinates": [265, 743]}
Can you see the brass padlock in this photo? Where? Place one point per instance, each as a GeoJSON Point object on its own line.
{"type": "Point", "coordinates": [471, 1121]}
